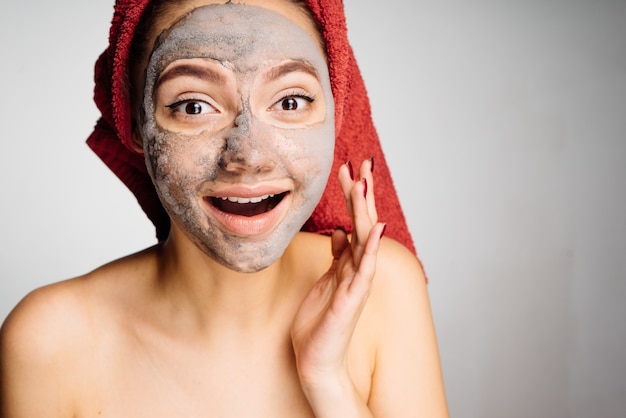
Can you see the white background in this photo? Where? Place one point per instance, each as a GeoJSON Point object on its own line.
{"type": "Point", "coordinates": [504, 123]}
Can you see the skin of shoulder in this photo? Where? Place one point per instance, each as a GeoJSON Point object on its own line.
{"type": "Point", "coordinates": [407, 380]}
{"type": "Point", "coordinates": [46, 340]}
{"type": "Point", "coordinates": [38, 339]}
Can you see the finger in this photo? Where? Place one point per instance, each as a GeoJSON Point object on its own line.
{"type": "Point", "coordinates": [358, 288]}
{"type": "Point", "coordinates": [362, 223]}
{"type": "Point", "coordinates": [339, 242]}
{"type": "Point", "coordinates": [346, 181]}
{"type": "Point", "coordinates": [360, 201]}
{"type": "Point", "coordinates": [366, 269]}
{"type": "Point", "coordinates": [366, 171]}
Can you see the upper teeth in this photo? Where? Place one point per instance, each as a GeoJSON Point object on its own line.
{"type": "Point", "coordinates": [247, 199]}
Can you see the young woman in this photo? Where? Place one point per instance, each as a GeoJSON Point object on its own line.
{"type": "Point", "coordinates": [237, 110]}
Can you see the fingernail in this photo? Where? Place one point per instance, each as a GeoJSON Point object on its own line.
{"type": "Point", "coordinates": [384, 229]}
{"type": "Point", "coordinates": [372, 164]}
{"type": "Point", "coordinates": [364, 187]}
{"type": "Point", "coordinates": [350, 170]}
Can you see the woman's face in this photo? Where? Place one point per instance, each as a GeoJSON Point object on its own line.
{"type": "Point", "coordinates": [238, 129]}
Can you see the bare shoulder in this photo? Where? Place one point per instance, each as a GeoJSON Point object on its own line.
{"type": "Point", "coordinates": [62, 310]}
{"type": "Point", "coordinates": [45, 340]}
{"type": "Point", "coordinates": [407, 381]}
{"type": "Point", "coordinates": [37, 340]}
{"type": "Point", "coordinates": [399, 301]}
{"type": "Point", "coordinates": [45, 316]}
{"type": "Point", "coordinates": [398, 266]}
{"type": "Point", "coordinates": [399, 282]}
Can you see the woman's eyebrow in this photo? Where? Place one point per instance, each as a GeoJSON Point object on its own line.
{"type": "Point", "coordinates": [189, 70]}
{"type": "Point", "coordinates": [290, 67]}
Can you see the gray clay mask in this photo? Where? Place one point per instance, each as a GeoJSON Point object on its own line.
{"type": "Point", "coordinates": [238, 129]}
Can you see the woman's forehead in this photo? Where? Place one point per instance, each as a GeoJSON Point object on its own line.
{"type": "Point", "coordinates": [288, 9]}
{"type": "Point", "coordinates": [241, 35]}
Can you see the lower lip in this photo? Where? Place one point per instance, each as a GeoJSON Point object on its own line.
{"type": "Point", "coordinates": [250, 225]}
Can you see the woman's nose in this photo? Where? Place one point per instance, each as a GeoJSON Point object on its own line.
{"type": "Point", "coordinates": [247, 148]}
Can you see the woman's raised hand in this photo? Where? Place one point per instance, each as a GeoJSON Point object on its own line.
{"type": "Point", "coordinates": [324, 324]}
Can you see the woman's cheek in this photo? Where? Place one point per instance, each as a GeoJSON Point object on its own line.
{"type": "Point", "coordinates": [174, 168]}
{"type": "Point", "coordinates": [318, 147]}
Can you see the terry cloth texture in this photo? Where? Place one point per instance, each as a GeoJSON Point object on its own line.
{"type": "Point", "coordinates": [356, 137]}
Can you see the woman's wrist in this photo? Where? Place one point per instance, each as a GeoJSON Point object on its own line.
{"type": "Point", "coordinates": [335, 396]}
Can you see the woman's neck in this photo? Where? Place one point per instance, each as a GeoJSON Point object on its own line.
{"type": "Point", "coordinates": [203, 293]}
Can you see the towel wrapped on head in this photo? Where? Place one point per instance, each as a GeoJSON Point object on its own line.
{"type": "Point", "coordinates": [356, 137]}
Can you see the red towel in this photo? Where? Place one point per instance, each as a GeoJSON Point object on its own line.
{"type": "Point", "coordinates": [356, 136]}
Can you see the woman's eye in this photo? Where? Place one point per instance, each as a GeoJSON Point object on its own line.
{"type": "Point", "coordinates": [192, 107]}
{"type": "Point", "coordinates": [293, 103]}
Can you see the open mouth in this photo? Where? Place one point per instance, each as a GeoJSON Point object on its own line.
{"type": "Point", "coordinates": [247, 206]}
